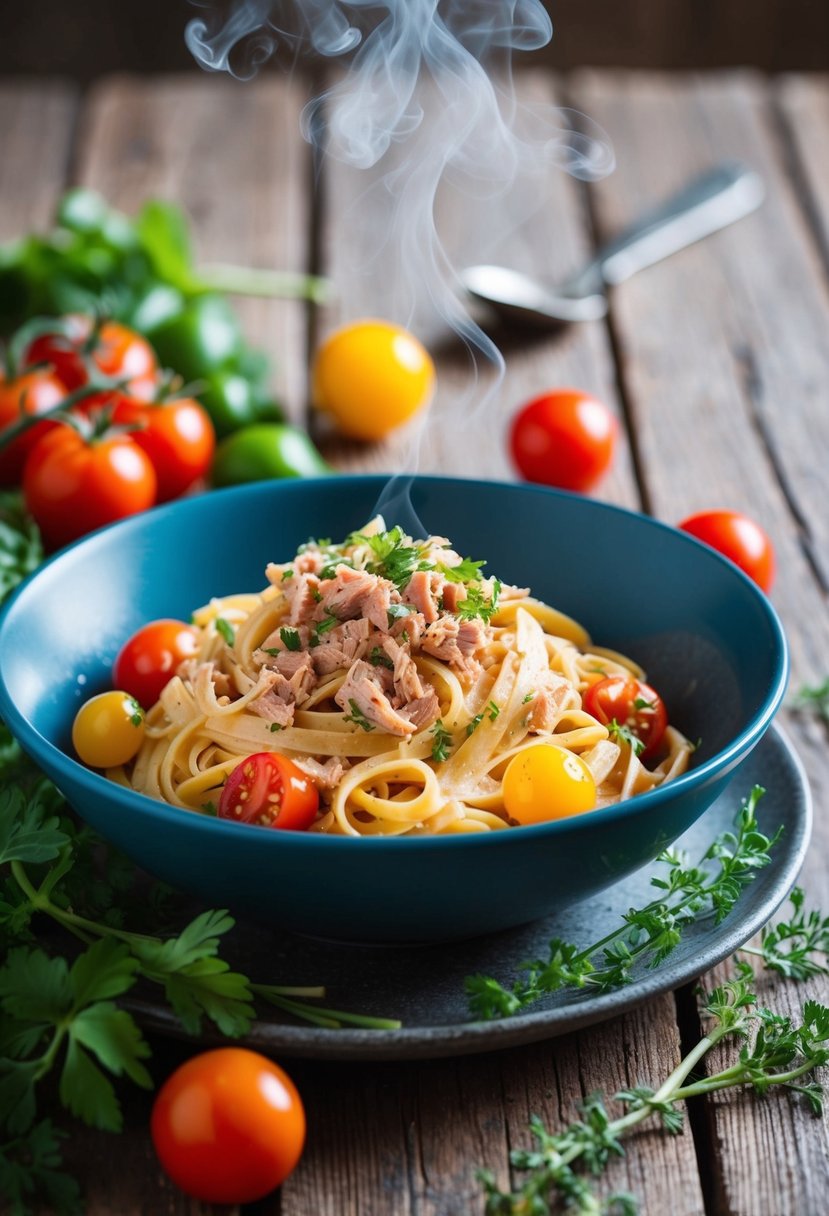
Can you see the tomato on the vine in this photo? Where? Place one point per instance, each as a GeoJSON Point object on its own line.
{"type": "Point", "coordinates": [228, 1126]}
{"type": "Point", "coordinates": [737, 537]}
{"type": "Point", "coordinates": [564, 438]}
{"type": "Point", "coordinates": [73, 484]}
{"type": "Point", "coordinates": [370, 377]}
{"type": "Point", "coordinates": [632, 708]}
{"type": "Point", "coordinates": [177, 435]}
{"type": "Point", "coordinates": [115, 350]}
{"type": "Point", "coordinates": [269, 790]}
{"type": "Point", "coordinates": [149, 658]}
{"type": "Point", "coordinates": [29, 393]}
{"type": "Point", "coordinates": [547, 782]}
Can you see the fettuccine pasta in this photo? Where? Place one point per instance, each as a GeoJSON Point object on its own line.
{"type": "Point", "coordinates": [401, 681]}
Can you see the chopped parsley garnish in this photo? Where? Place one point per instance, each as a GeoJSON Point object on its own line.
{"type": "Point", "coordinates": [492, 711]}
{"type": "Point", "coordinates": [357, 716]}
{"type": "Point", "coordinates": [289, 573]}
{"type": "Point", "coordinates": [379, 658]}
{"type": "Point", "coordinates": [275, 726]}
{"type": "Point", "coordinates": [136, 712]}
{"type": "Point", "coordinates": [442, 742]}
{"type": "Point", "coordinates": [210, 808]}
{"type": "Point", "coordinates": [225, 630]}
{"type": "Point", "coordinates": [320, 627]}
{"type": "Point", "coordinates": [474, 723]}
{"type": "Point", "coordinates": [476, 604]}
{"type": "Point", "coordinates": [290, 638]}
{"type": "Point", "coordinates": [624, 734]}
{"type": "Point", "coordinates": [396, 556]}
{"type": "Point", "coordinates": [529, 697]}
{"type": "Point", "coordinates": [396, 611]}
{"type": "Point", "coordinates": [466, 571]}
{"type": "Point", "coordinates": [641, 703]}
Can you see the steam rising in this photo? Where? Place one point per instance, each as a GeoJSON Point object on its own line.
{"type": "Point", "coordinates": [420, 106]}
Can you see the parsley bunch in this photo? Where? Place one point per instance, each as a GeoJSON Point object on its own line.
{"type": "Point", "coordinates": [776, 1053]}
{"type": "Point", "coordinates": [59, 1011]}
{"type": "Point", "coordinates": [646, 935]}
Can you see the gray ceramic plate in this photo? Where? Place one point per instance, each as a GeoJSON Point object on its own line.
{"type": "Point", "coordinates": [424, 986]}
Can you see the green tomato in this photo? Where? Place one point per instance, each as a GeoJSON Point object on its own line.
{"type": "Point", "coordinates": [263, 451]}
{"type": "Point", "coordinates": [202, 338]}
{"type": "Point", "coordinates": [233, 401]}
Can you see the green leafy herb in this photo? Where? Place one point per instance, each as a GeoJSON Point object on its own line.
{"type": "Point", "coordinates": [225, 630]}
{"type": "Point", "coordinates": [20, 548]}
{"type": "Point", "coordinates": [646, 935]}
{"type": "Point", "coordinates": [396, 556]}
{"type": "Point", "coordinates": [442, 742]}
{"type": "Point", "coordinates": [396, 611]}
{"type": "Point", "coordinates": [290, 638]}
{"type": "Point", "coordinates": [477, 604]}
{"type": "Point", "coordinates": [796, 948]}
{"type": "Point", "coordinates": [137, 713]}
{"type": "Point", "coordinates": [379, 658]}
{"type": "Point", "coordinates": [623, 734]}
{"type": "Point", "coordinates": [473, 724]}
{"type": "Point", "coordinates": [779, 1053]}
{"type": "Point", "coordinates": [813, 699]}
{"type": "Point", "coordinates": [320, 628]}
{"type": "Point", "coordinates": [275, 726]}
{"type": "Point", "coordinates": [357, 716]}
{"type": "Point", "coordinates": [529, 697]}
{"type": "Point", "coordinates": [466, 571]}
{"type": "Point", "coordinates": [492, 711]}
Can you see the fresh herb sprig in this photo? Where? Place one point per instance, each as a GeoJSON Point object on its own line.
{"type": "Point", "coordinates": [60, 1014]}
{"type": "Point", "coordinates": [21, 550]}
{"type": "Point", "coordinates": [777, 1053]}
{"type": "Point", "coordinates": [813, 698]}
{"type": "Point", "coordinates": [647, 935]}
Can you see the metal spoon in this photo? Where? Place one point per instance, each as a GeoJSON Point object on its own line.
{"type": "Point", "coordinates": [708, 203]}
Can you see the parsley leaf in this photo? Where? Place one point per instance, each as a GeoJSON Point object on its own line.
{"type": "Point", "coordinates": [357, 716]}
{"type": "Point", "coordinates": [379, 658]}
{"type": "Point", "coordinates": [21, 550]}
{"type": "Point", "coordinates": [225, 630]}
{"type": "Point", "coordinates": [442, 742]}
{"type": "Point", "coordinates": [466, 571]}
{"type": "Point", "coordinates": [476, 604]}
{"type": "Point", "coordinates": [290, 638]}
{"type": "Point", "coordinates": [623, 734]}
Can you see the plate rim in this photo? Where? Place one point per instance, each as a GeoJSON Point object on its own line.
{"type": "Point", "coordinates": [477, 1037]}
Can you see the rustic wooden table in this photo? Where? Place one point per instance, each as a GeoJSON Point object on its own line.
{"type": "Point", "coordinates": [718, 365]}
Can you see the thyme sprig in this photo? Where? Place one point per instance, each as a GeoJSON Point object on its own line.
{"type": "Point", "coordinates": [646, 935]}
{"type": "Point", "coordinates": [776, 1053]}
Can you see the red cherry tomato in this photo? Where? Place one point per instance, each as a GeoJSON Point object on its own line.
{"type": "Point", "coordinates": [633, 706]}
{"type": "Point", "coordinates": [564, 438]}
{"type": "Point", "coordinates": [72, 485]}
{"type": "Point", "coordinates": [117, 351]}
{"type": "Point", "coordinates": [269, 790]}
{"type": "Point", "coordinates": [228, 1126]}
{"type": "Point", "coordinates": [177, 436]}
{"type": "Point", "coordinates": [738, 538]}
{"type": "Point", "coordinates": [29, 393]}
{"type": "Point", "coordinates": [150, 657]}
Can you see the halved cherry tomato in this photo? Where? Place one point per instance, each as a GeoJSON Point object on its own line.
{"type": "Point", "coordinates": [546, 782]}
{"type": "Point", "coordinates": [564, 438]}
{"type": "Point", "coordinates": [737, 537]}
{"type": "Point", "coordinates": [372, 376]}
{"type": "Point", "coordinates": [269, 790]}
{"type": "Point", "coordinates": [228, 1126]}
{"type": "Point", "coordinates": [108, 729]}
{"type": "Point", "coordinates": [72, 485]}
{"type": "Point", "coordinates": [632, 706]}
{"type": "Point", "coordinates": [30, 393]}
{"type": "Point", "coordinates": [177, 435]}
{"type": "Point", "coordinates": [150, 657]}
{"type": "Point", "coordinates": [117, 351]}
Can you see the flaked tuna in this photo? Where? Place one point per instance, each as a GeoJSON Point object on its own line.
{"type": "Point", "coordinates": [356, 593]}
{"type": "Point", "coordinates": [341, 646]}
{"type": "Point", "coordinates": [361, 694]}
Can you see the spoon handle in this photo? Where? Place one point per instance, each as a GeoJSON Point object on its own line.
{"type": "Point", "coordinates": [705, 205]}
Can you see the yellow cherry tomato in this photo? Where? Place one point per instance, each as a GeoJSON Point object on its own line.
{"type": "Point", "coordinates": [372, 376]}
{"type": "Point", "coordinates": [108, 729]}
{"type": "Point", "coordinates": [546, 782]}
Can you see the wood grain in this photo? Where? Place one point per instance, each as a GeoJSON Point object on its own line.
{"type": "Point", "coordinates": [232, 156]}
{"type": "Point", "coordinates": [36, 124]}
{"type": "Point", "coordinates": [722, 353]}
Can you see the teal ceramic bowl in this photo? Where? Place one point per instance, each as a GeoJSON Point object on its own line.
{"type": "Point", "coordinates": [707, 637]}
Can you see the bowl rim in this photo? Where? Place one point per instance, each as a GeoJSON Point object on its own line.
{"type": "Point", "coordinates": [721, 762]}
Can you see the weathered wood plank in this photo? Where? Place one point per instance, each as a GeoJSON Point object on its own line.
{"type": "Point", "coordinates": [466, 429]}
{"type": "Point", "coordinates": [233, 157]}
{"type": "Point", "coordinates": [36, 122]}
{"type": "Point", "coordinates": [724, 358]}
{"type": "Point", "coordinates": [459, 1114]}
